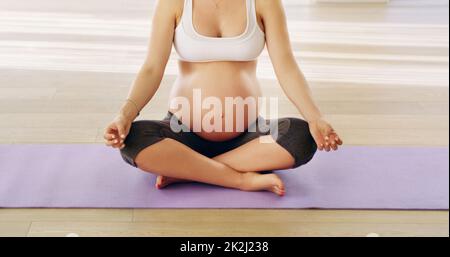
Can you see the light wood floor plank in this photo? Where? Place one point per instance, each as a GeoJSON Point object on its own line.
{"type": "Point", "coordinates": [65, 215]}
{"type": "Point", "coordinates": [51, 135]}
{"type": "Point", "coordinates": [235, 228]}
{"type": "Point", "coordinates": [404, 137]}
{"type": "Point", "coordinates": [315, 216]}
{"type": "Point", "coordinates": [14, 229]}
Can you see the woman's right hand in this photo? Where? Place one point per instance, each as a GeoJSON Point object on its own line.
{"type": "Point", "coordinates": [117, 131]}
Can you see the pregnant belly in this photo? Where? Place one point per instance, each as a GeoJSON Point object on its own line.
{"type": "Point", "coordinates": [216, 107]}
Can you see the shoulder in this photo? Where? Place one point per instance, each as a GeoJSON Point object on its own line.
{"type": "Point", "coordinates": [169, 6]}
{"type": "Point", "coordinates": [269, 7]}
{"type": "Point", "coordinates": [268, 4]}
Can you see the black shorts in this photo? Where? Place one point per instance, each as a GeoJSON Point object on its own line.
{"type": "Point", "coordinates": [293, 135]}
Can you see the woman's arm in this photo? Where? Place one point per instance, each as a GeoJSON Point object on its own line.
{"type": "Point", "coordinates": [150, 75]}
{"type": "Point", "coordinates": [291, 78]}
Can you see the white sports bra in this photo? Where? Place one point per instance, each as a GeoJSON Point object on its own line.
{"type": "Point", "coordinates": [193, 47]}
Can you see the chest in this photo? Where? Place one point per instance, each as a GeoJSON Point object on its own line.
{"type": "Point", "coordinates": [214, 18]}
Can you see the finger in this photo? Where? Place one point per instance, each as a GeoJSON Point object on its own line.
{"type": "Point", "coordinates": [333, 144]}
{"type": "Point", "coordinates": [109, 136]}
{"type": "Point", "coordinates": [327, 146]}
{"type": "Point", "coordinates": [327, 131]}
{"type": "Point", "coordinates": [111, 132]}
{"type": "Point", "coordinates": [333, 137]}
{"type": "Point", "coordinates": [340, 142]}
{"type": "Point", "coordinates": [119, 142]}
{"type": "Point", "coordinates": [328, 142]}
{"type": "Point", "coordinates": [334, 147]}
{"type": "Point", "coordinates": [337, 139]}
{"type": "Point", "coordinates": [113, 142]}
{"type": "Point", "coordinates": [320, 146]}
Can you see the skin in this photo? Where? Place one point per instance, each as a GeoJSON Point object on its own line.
{"type": "Point", "coordinates": [240, 167]}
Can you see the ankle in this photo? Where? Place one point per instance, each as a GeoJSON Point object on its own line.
{"type": "Point", "coordinates": [245, 181]}
{"type": "Point", "coordinates": [242, 183]}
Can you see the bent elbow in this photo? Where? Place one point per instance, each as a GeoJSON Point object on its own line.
{"type": "Point", "coordinates": [151, 70]}
{"type": "Point", "coordinates": [147, 69]}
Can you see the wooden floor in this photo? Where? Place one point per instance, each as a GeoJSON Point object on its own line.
{"type": "Point", "coordinates": [379, 73]}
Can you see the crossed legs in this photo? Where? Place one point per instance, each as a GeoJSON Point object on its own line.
{"type": "Point", "coordinates": [187, 165]}
{"type": "Point", "coordinates": [174, 161]}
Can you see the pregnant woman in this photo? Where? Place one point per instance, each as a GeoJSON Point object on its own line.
{"type": "Point", "coordinates": [218, 42]}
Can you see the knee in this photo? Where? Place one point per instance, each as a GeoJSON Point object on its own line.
{"type": "Point", "coordinates": [299, 141]}
{"type": "Point", "coordinates": [141, 135]}
{"type": "Point", "coordinates": [140, 161]}
{"type": "Point", "coordinates": [153, 156]}
{"type": "Point", "coordinates": [143, 159]}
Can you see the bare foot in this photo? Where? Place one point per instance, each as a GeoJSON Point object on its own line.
{"type": "Point", "coordinates": [258, 182]}
{"type": "Point", "coordinates": [162, 182]}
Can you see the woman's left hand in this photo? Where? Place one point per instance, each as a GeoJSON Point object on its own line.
{"type": "Point", "coordinates": [325, 136]}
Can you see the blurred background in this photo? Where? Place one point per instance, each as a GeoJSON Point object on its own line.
{"type": "Point", "coordinates": [379, 71]}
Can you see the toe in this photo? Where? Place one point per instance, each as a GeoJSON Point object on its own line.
{"type": "Point", "coordinates": [159, 182]}
{"type": "Point", "coordinates": [278, 191]}
{"type": "Point", "coordinates": [280, 185]}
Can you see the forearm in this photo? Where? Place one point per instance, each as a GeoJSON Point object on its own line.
{"type": "Point", "coordinates": [142, 91]}
{"type": "Point", "coordinates": [296, 87]}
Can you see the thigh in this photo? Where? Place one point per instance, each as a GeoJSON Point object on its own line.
{"type": "Point", "coordinates": [257, 150]}
{"type": "Point", "coordinates": [258, 155]}
{"type": "Point", "coordinates": [287, 144]}
{"type": "Point", "coordinates": [146, 133]}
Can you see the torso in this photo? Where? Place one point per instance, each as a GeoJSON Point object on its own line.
{"type": "Point", "coordinates": [218, 79]}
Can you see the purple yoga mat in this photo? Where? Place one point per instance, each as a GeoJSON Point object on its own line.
{"type": "Point", "coordinates": [94, 176]}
